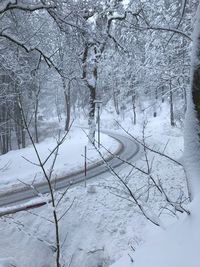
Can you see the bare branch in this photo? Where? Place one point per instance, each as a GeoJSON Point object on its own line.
{"type": "Point", "coordinates": [67, 210]}
{"type": "Point", "coordinates": [28, 49]}
{"type": "Point", "coordinates": [180, 20]}
{"type": "Point", "coordinates": [140, 205]}
{"type": "Point", "coordinates": [157, 28]}
{"type": "Point", "coordinates": [149, 148]}
{"type": "Point", "coordinates": [15, 4]}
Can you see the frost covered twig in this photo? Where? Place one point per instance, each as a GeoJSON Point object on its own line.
{"type": "Point", "coordinates": [155, 182]}
{"type": "Point", "coordinates": [147, 147]}
{"type": "Point", "coordinates": [66, 210]}
{"type": "Point", "coordinates": [143, 207]}
{"type": "Point", "coordinates": [16, 4]}
{"type": "Point", "coordinates": [21, 227]}
{"type": "Point", "coordinates": [47, 175]}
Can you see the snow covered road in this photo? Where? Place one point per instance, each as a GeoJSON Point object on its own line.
{"type": "Point", "coordinates": [127, 150]}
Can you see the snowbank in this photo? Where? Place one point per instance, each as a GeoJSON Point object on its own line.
{"type": "Point", "coordinates": [178, 246]}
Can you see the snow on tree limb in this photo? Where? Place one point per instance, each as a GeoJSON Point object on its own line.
{"type": "Point", "coordinates": [29, 49]}
{"type": "Point", "coordinates": [157, 28]}
{"type": "Point", "coordinates": [15, 4]}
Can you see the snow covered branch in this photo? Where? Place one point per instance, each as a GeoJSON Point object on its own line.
{"type": "Point", "coordinates": [22, 44]}
{"type": "Point", "coordinates": [143, 207]}
{"type": "Point", "coordinates": [145, 146]}
{"type": "Point", "coordinates": [15, 4]}
{"type": "Point", "coordinates": [157, 28]}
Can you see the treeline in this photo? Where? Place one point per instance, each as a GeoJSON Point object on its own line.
{"type": "Point", "coordinates": [59, 57]}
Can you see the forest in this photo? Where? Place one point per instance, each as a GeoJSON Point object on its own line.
{"type": "Point", "coordinates": [99, 133]}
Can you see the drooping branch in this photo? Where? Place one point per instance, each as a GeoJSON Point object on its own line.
{"type": "Point", "coordinates": [15, 4]}
{"type": "Point", "coordinates": [157, 28]}
{"type": "Point", "coordinates": [118, 17]}
{"type": "Point", "coordinates": [48, 59]}
{"type": "Point", "coordinates": [180, 20]}
{"type": "Point", "coordinates": [162, 154]}
{"type": "Point", "coordinates": [155, 220]}
{"type": "Point", "coordinates": [59, 19]}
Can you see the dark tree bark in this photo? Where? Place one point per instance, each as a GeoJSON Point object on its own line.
{"type": "Point", "coordinates": [67, 94]}
{"type": "Point", "coordinates": [90, 77]}
{"type": "Point", "coordinates": [172, 122]}
{"type": "Point", "coordinates": [192, 122]}
{"type": "Point", "coordinates": [134, 107]}
{"type": "Point", "coordinates": [163, 92]}
{"type": "Point", "coordinates": [115, 99]}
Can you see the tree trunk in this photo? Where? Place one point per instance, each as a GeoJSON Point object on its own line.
{"type": "Point", "coordinates": [115, 99]}
{"type": "Point", "coordinates": [91, 120]}
{"type": "Point", "coordinates": [90, 78]}
{"type": "Point", "coordinates": [163, 93]}
{"type": "Point", "coordinates": [171, 106]}
{"type": "Point", "coordinates": [36, 121]}
{"type": "Point", "coordinates": [68, 107]}
{"type": "Point", "coordinates": [192, 121]}
{"type": "Point", "coordinates": [37, 94]}
{"type": "Point", "coordinates": [4, 129]}
{"type": "Point", "coordinates": [134, 108]}
{"type": "Point", "coordinates": [23, 135]}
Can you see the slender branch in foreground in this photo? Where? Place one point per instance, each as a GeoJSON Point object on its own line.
{"type": "Point", "coordinates": [59, 143]}
{"type": "Point", "coordinates": [176, 205]}
{"type": "Point", "coordinates": [147, 147]}
{"type": "Point", "coordinates": [154, 219]}
{"type": "Point", "coordinates": [21, 228]}
{"type": "Point", "coordinates": [66, 210]}
{"type": "Point", "coordinates": [48, 180]}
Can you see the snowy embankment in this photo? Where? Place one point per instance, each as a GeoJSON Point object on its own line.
{"type": "Point", "coordinates": [21, 165]}
{"type": "Point", "coordinates": [178, 246]}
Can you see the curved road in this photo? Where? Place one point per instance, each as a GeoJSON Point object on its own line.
{"type": "Point", "coordinates": [128, 149]}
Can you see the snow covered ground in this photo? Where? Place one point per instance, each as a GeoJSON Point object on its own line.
{"type": "Point", "coordinates": [177, 246]}
{"type": "Point", "coordinates": [101, 227]}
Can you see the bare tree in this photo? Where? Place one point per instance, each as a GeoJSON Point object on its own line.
{"type": "Point", "coordinates": [51, 183]}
